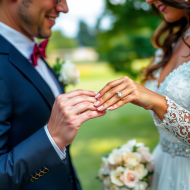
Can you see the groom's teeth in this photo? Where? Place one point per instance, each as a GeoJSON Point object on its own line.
{"type": "Point", "coordinates": [50, 18]}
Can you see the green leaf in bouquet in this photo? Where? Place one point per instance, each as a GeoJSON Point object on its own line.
{"type": "Point", "coordinates": [135, 148]}
{"type": "Point", "coordinates": [105, 156]}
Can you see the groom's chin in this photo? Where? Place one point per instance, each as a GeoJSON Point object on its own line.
{"type": "Point", "coordinates": [44, 33]}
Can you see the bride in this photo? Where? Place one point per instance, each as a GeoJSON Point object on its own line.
{"type": "Point", "coordinates": [166, 94]}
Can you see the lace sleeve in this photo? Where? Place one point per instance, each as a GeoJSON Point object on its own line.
{"type": "Point", "coordinates": [176, 121]}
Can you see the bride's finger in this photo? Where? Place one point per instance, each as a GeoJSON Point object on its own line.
{"type": "Point", "coordinates": [115, 99]}
{"type": "Point", "coordinates": [124, 101]}
{"type": "Point", "coordinates": [109, 86]}
{"type": "Point", "coordinates": [111, 93]}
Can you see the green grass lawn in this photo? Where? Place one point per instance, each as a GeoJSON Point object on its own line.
{"type": "Point", "coordinates": [99, 136]}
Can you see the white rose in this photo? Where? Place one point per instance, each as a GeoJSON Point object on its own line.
{"type": "Point", "coordinates": [128, 147]}
{"type": "Point", "coordinates": [106, 168]}
{"type": "Point", "coordinates": [106, 183]}
{"type": "Point", "coordinates": [130, 178]}
{"type": "Point", "coordinates": [131, 159]}
{"type": "Point", "coordinates": [115, 157]}
{"type": "Point", "coordinates": [141, 185]}
{"type": "Point", "coordinates": [141, 171]}
{"type": "Point", "coordinates": [117, 176]}
{"type": "Point", "coordinates": [69, 73]}
{"type": "Point", "coordinates": [146, 156]}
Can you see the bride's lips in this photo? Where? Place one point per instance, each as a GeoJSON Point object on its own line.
{"type": "Point", "coordinates": [162, 7]}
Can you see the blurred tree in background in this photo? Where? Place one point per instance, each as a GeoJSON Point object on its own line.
{"type": "Point", "coordinates": [59, 41]}
{"type": "Point", "coordinates": [86, 37]}
{"type": "Point", "coordinates": [130, 36]}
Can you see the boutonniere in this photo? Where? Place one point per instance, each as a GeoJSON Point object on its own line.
{"type": "Point", "coordinates": [67, 72]}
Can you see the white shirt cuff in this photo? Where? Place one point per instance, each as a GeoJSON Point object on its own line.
{"type": "Point", "coordinates": [60, 152]}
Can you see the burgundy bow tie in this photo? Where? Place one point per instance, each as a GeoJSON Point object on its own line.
{"type": "Point", "coordinates": [39, 51]}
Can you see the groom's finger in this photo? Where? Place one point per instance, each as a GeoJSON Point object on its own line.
{"type": "Point", "coordinates": [90, 115]}
{"type": "Point", "coordinates": [83, 107]}
{"type": "Point", "coordinates": [74, 94]}
{"type": "Point", "coordinates": [79, 99]}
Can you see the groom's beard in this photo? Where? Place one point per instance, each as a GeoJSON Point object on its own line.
{"type": "Point", "coordinates": [24, 14]}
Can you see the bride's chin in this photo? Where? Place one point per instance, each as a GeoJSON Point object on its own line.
{"type": "Point", "coordinates": [169, 17]}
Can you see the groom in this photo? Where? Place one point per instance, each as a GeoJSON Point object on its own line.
{"type": "Point", "coordinates": [36, 123]}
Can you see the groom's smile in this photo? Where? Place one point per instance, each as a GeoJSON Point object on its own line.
{"type": "Point", "coordinates": [51, 19]}
{"type": "Point", "coordinates": [34, 18]}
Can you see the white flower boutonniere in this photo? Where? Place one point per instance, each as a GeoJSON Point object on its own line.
{"type": "Point", "coordinates": [67, 72]}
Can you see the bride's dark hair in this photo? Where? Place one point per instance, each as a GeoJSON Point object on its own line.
{"type": "Point", "coordinates": [167, 34]}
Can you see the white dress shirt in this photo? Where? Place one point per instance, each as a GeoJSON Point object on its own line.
{"type": "Point", "coordinates": [25, 46]}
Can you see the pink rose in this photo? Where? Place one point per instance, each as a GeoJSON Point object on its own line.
{"type": "Point", "coordinates": [130, 178]}
{"type": "Point", "coordinates": [150, 166]}
{"type": "Point", "coordinates": [145, 153]}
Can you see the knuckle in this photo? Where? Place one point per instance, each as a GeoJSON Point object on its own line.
{"type": "Point", "coordinates": [125, 78]}
{"type": "Point", "coordinates": [62, 105]}
{"type": "Point", "coordinates": [79, 91]}
{"type": "Point", "coordinates": [87, 104]}
{"type": "Point", "coordinates": [65, 114]}
{"type": "Point", "coordinates": [109, 84]}
{"type": "Point", "coordinates": [113, 91]}
{"type": "Point", "coordinates": [84, 97]}
{"type": "Point", "coordinates": [59, 97]}
{"type": "Point", "coordinates": [90, 114]}
{"type": "Point", "coordinates": [71, 122]}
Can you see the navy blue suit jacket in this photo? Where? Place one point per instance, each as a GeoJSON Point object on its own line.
{"type": "Point", "coordinates": [25, 107]}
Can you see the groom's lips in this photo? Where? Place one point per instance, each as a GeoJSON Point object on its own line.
{"type": "Point", "coordinates": [51, 19]}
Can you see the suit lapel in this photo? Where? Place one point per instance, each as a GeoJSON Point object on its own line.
{"type": "Point", "coordinates": [27, 69]}
{"type": "Point", "coordinates": [55, 75]}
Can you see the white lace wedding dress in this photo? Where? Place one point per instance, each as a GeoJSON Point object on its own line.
{"type": "Point", "coordinates": [172, 154]}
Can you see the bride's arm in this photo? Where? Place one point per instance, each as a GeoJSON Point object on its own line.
{"type": "Point", "coordinates": [167, 114]}
{"type": "Point", "coordinates": [176, 121]}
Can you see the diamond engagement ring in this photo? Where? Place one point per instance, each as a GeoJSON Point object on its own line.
{"type": "Point", "coordinates": [119, 95]}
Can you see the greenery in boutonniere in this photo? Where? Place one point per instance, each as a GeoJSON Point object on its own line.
{"type": "Point", "coordinates": [66, 72]}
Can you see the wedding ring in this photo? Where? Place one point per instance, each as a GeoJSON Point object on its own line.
{"type": "Point", "coordinates": [119, 95]}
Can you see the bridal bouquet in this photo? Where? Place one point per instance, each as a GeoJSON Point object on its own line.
{"type": "Point", "coordinates": [129, 167]}
{"type": "Point", "coordinates": [67, 72]}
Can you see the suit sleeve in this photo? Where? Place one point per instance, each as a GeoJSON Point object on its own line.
{"type": "Point", "coordinates": [29, 160]}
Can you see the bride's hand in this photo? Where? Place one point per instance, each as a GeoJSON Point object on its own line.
{"type": "Point", "coordinates": [131, 91]}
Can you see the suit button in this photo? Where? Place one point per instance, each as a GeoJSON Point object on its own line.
{"type": "Point", "coordinates": [46, 170]}
{"type": "Point", "coordinates": [32, 179]}
{"type": "Point", "coordinates": [71, 179]}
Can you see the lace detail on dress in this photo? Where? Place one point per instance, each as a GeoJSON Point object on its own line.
{"type": "Point", "coordinates": [176, 120]}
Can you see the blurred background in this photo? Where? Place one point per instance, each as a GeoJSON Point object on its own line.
{"type": "Point", "coordinates": [106, 39]}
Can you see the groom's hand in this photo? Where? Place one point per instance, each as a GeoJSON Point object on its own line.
{"type": "Point", "coordinates": [68, 113]}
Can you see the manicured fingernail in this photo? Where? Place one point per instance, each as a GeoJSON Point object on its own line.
{"type": "Point", "coordinates": [97, 103]}
{"type": "Point", "coordinates": [110, 108]}
{"type": "Point", "coordinates": [97, 95]}
{"type": "Point", "coordinates": [104, 111]}
{"type": "Point", "coordinates": [100, 108]}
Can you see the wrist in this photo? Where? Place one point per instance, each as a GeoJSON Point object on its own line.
{"type": "Point", "coordinates": [56, 138]}
{"type": "Point", "coordinates": [160, 106]}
